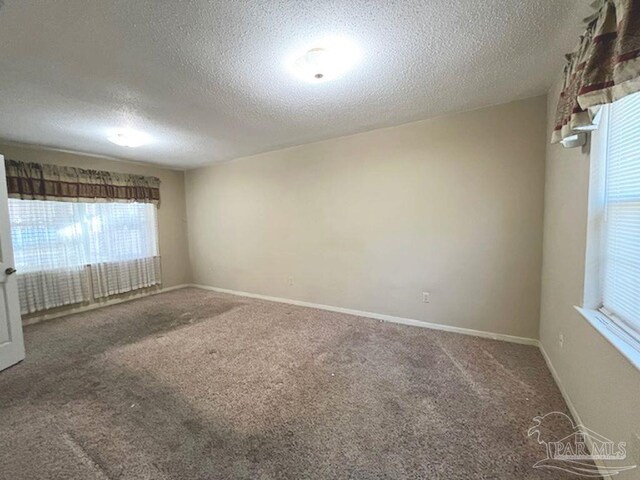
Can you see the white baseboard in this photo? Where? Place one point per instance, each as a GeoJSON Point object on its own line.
{"type": "Point", "coordinates": [563, 391]}
{"type": "Point", "coordinates": [63, 312]}
{"type": "Point", "coordinates": [379, 316]}
{"type": "Point", "coordinates": [569, 402]}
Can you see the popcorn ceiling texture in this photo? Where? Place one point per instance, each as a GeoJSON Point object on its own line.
{"type": "Point", "coordinates": [207, 79]}
{"type": "Point", "coordinates": [193, 384]}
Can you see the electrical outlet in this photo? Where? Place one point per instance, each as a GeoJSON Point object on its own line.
{"type": "Point", "coordinates": [290, 280]}
{"type": "Point", "coordinates": [561, 340]}
{"type": "Point", "coordinates": [426, 297]}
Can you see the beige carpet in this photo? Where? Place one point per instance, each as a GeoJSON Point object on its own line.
{"type": "Point", "coordinates": [192, 384]}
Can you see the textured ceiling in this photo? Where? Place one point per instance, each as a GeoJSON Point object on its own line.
{"type": "Point", "coordinates": [208, 81]}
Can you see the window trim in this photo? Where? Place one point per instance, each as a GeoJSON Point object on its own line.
{"type": "Point", "coordinates": [622, 336]}
{"type": "Point", "coordinates": [615, 333]}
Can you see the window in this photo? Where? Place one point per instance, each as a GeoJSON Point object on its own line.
{"type": "Point", "coordinates": [50, 235]}
{"type": "Point", "coordinates": [613, 273]}
{"type": "Point", "coordinates": [68, 252]}
{"type": "Point", "coordinates": [621, 223]}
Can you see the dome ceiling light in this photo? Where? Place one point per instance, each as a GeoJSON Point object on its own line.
{"type": "Point", "coordinates": [325, 62]}
{"type": "Point", "coordinates": [128, 138]}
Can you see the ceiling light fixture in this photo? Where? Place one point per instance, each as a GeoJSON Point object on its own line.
{"type": "Point", "coordinates": [326, 61]}
{"type": "Point", "coordinates": [128, 138]}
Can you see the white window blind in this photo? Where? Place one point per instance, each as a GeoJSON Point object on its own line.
{"type": "Point", "coordinates": [621, 226]}
{"type": "Point", "coordinates": [57, 245]}
{"type": "Point", "coordinates": [42, 234]}
{"type": "Point", "coordinates": [49, 235]}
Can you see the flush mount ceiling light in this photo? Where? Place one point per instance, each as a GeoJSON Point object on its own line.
{"type": "Point", "coordinates": [326, 61]}
{"type": "Point", "coordinates": [128, 138]}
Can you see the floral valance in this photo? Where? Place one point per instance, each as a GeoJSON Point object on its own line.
{"type": "Point", "coordinates": [605, 67]}
{"type": "Point", "coordinates": [36, 181]}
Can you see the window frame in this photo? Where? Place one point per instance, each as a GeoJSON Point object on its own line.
{"type": "Point", "coordinates": [623, 336]}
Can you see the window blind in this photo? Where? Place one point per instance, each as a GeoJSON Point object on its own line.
{"type": "Point", "coordinates": [50, 235]}
{"type": "Point", "coordinates": [621, 227]}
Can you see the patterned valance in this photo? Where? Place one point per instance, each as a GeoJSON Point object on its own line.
{"type": "Point", "coordinates": [605, 67]}
{"type": "Point", "coordinates": [36, 181]}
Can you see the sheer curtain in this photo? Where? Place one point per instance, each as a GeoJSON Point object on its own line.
{"type": "Point", "coordinates": [48, 256]}
{"type": "Point", "coordinates": [67, 252]}
{"type": "Point", "coordinates": [122, 247]}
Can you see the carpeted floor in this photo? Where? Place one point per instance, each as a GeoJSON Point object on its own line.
{"type": "Point", "coordinates": [192, 384]}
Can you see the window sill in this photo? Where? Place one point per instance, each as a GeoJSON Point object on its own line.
{"type": "Point", "coordinates": [628, 346]}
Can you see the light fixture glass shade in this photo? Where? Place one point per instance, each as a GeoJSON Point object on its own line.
{"type": "Point", "coordinates": [327, 61]}
{"type": "Point", "coordinates": [316, 64]}
{"type": "Point", "coordinates": [128, 138]}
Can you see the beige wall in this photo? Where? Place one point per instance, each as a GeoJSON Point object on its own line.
{"type": "Point", "coordinates": [452, 206]}
{"type": "Point", "coordinates": [172, 228]}
{"type": "Point", "coordinates": [602, 385]}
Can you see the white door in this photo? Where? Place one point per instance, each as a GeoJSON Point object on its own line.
{"type": "Point", "coordinates": [11, 343]}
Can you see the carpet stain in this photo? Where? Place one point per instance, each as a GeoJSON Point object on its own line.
{"type": "Point", "coordinates": [84, 457]}
{"type": "Point", "coordinates": [506, 372]}
{"type": "Point", "coordinates": [465, 374]}
{"type": "Point", "coordinates": [193, 384]}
